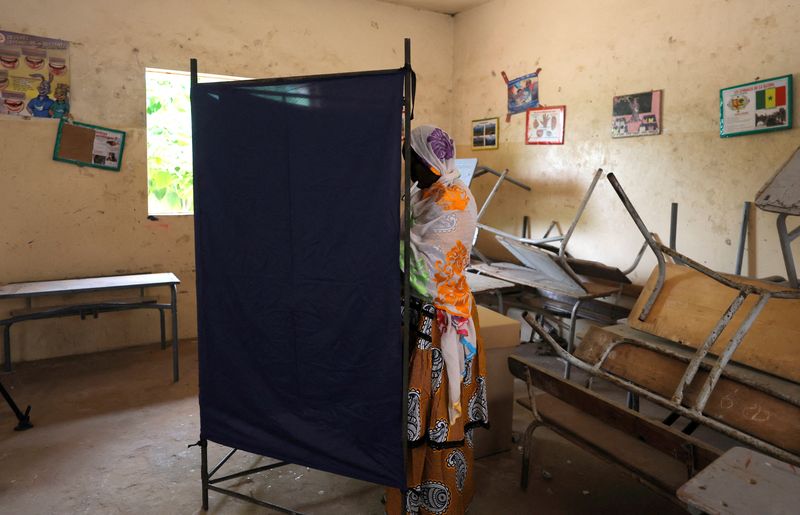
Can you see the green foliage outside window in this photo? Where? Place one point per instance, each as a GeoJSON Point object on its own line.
{"type": "Point", "coordinates": [169, 144]}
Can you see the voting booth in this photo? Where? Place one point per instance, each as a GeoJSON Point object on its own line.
{"type": "Point", "coordinates": [297, 182]}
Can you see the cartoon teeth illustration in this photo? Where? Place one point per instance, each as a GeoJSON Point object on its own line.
{"type": "Point", "coordinates": [34, 57]}
{"type": "Point", "coordinates": [9, 57]}
{"type": "Point", "coordinates": [13, 101]}
{"type": "Point", "coordinates": [58, 65]}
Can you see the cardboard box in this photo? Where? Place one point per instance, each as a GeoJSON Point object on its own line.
{"type": "Point", "coordinates": [501, 337]}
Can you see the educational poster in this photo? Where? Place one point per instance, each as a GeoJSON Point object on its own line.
{"type": "Point", "coordinates": [636, 115]}
{"type": "Point", "coordinates": [545, 125]}
{"type": "Point", "coordinates": [759, 106]}
{"type": "Point", "coordinates": [34, 76]}
{"type": "Point", "coordinates": [523, 93]}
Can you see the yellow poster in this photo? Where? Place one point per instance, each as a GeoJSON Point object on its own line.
{"type": "Point", "coordinates": [34, 76]}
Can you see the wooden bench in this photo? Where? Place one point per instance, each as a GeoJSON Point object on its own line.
{"type": "Point", "coordinates": [93, 308]}
{"type": "Point", "coordinates": [657, 455]}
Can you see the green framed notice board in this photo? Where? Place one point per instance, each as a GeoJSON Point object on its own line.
{"type": "Point", "coordinates": [89, 145]}
{"type": "Point", "coordinates": [760, 106]}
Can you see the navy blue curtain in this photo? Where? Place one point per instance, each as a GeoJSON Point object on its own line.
{"type": "Point", "coordinates": [297, 188]}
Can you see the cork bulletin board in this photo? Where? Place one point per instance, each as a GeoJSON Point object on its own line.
{"type": "Point", "coordinates": [89, 145]}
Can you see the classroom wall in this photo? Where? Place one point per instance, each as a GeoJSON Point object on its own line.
{"type": "Point", "coordinates": [61, 221]}
{"type": "Point", "coordinates": [592, 51]}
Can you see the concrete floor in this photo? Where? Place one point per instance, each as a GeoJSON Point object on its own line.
{"type": "Point", "coordinates": [111, 434]}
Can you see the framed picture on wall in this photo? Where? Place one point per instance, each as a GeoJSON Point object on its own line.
{"type": "Point", "coordinates": [545, 125]}
{"type": "Point", "coordinates": [485, 134]}
{"type": "Point", "coordinates": [760, 106]}
{"type": "Point", "coordinates": [636, 115]}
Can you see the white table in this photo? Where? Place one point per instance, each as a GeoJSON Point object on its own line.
{"type": "Point", "coordinates": [30, 290]}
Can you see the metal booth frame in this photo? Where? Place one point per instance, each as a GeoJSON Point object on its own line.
{"type": "Point", "coordinates": [208, 480]}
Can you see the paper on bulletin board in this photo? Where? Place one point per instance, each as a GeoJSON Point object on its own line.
{"type": "Point", "coordinates": [106, 147]}
{"type": "Point", "coordinates": [32, 70]}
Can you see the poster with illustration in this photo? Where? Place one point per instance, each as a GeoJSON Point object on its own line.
{"type": "Point", "coordinates": [34, 76]}
{"type": "Point", "coordinates": [545, 125]}
{"type": "Point", "coordinates": [636, 115]}
{"type": "Point", "coordinates": [523, 93]}
{"type": "Point", "coordinates": [760, 106]}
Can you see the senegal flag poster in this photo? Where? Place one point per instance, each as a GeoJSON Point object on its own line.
{"type": "Point", "coordinates": [761, 106]}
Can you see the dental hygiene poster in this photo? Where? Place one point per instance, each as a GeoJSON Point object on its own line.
{"type": "Point", "coordinates": [34, 76]}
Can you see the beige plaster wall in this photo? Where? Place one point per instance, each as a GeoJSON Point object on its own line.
{"type": "Point", "coordinates": [591, 51]}
{"type": "Point", "coordinates": [60, 221]}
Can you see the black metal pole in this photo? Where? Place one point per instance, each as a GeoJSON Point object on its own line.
{"type": "Point", "coordinates": [24, 418]}
{"type": "Point", "coordinates": [204, 470]}
{"type": "Point", "coordinates": [163, 328]}
{"type": "Point", "coordinates": [203, 441]}
{"type": "Point", "coordinates": [742, 238]}
{"type": "Point", "coordinates": [406, 258]}
{"type": "Point", "coordinates": [673, 226]}
{"type": "Point", "coordinates": [7, 347]}
{"type": "Point", "coordinates": [174, 299]}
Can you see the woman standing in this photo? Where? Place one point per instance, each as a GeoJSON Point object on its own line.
{"type": "Point", "coordinates": [447, 380]}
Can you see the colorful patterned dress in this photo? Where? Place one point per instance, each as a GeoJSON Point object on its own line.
{"type": "Point", "coordinates": [447, 380]}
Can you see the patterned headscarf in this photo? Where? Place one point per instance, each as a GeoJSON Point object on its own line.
{"type": "Point", "coordinates": [443, 225]}
{"type": "Point", "coordinates": [436, 148]}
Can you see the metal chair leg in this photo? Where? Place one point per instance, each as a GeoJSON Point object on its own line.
{"type": "Point", "coordinates": [571, 342]}
{"type": "Point", "coordinates": [785, 237]}
{"type": "Point", "coordinates": [174, 299]}
{"type": "Point", "coordinates": [633, 401]}
{"type": "Point", "coordinates": [7, 347]}
{"type": "Point", "coordinates": [163, 329]}
{"type": "Point", "coordinates": [527, 450]}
